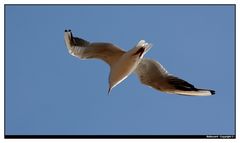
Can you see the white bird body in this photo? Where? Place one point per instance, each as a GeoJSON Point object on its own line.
{"type": "Point", "coordinates": [122, 64]}
{"type": "Point", "coordinates": [121, 69]}
{"type": "Point", "coordinates": [126, 64]}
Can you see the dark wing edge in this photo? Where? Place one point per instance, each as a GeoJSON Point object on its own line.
{"type": "Point", "coordinates": [84, 49]}
{"type": "Point", "coordinates": [153, 74]}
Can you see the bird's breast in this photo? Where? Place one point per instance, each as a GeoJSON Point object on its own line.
{"type": "Point", "coordinates": [122, 68]}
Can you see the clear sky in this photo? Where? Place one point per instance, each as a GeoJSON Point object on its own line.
{"type": "Point", "coordinates": [48, 91]}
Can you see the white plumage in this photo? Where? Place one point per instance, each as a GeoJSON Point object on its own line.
{"type": "Point", "coordinates": [123, 63]}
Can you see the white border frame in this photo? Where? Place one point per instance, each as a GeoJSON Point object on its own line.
{"type": "Point", "coordinates": [112, 2]}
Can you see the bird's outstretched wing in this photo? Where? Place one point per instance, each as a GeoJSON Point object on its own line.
{"type": "Point", "coordinates": [153, 74]}
{"type": "Point", "coordinates": [83, 49]}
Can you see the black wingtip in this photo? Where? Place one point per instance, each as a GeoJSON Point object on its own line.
{"type": "Point", "coordinates": [212, 92]}
{"type": "Point", "coordinates": [69, 30]}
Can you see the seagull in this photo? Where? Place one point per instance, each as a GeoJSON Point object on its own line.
{"type": "Point", "coordinates": [123, 63]}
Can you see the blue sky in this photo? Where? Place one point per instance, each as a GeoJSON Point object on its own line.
{"type": "Point", "coordinates": [48, 91]}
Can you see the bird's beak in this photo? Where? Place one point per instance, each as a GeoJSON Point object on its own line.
{"type": "Point", "coordinates": [109, 90]}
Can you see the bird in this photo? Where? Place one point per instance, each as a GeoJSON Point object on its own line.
{"type": "Point", "coordinates": [123, 63]}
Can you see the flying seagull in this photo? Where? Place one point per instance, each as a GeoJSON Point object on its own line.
{"type": "Point", "coordinates": [123, 63]}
